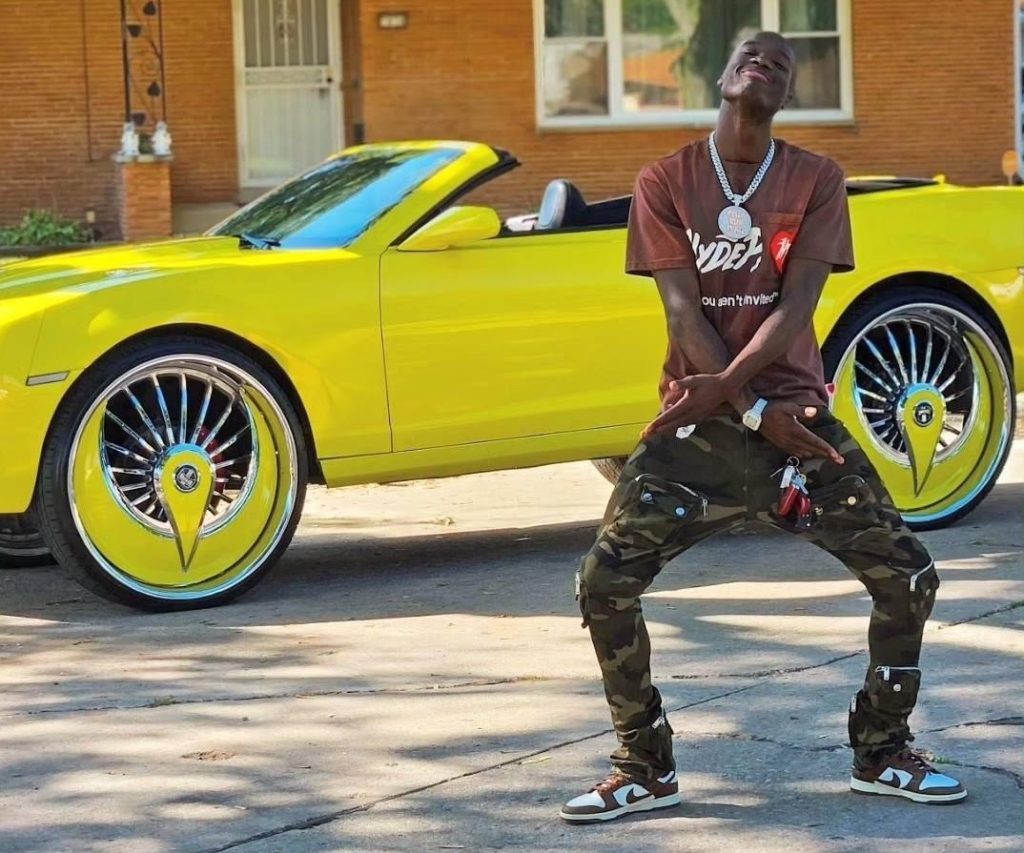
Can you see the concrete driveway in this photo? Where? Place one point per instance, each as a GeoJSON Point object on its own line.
{"type": "Point", "coordinates": [414, 677]}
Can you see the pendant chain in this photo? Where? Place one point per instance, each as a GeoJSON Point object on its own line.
{"type": "Point", "coordinates": [723, 179]}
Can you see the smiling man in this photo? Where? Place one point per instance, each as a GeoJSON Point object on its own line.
{"type": "Point", "coordinates": [740, 232]}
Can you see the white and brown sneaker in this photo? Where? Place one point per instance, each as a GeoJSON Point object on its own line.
{"type": "Point", "coordinates": [617, 796]}
{"type": "Point", "coordinates": [907, 774]}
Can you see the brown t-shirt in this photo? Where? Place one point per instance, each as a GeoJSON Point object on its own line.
{"type": "Point", "coordinates": [799, 211]}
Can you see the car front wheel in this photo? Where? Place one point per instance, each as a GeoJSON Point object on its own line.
{"type": "Point", "coordinates": [174, 475]}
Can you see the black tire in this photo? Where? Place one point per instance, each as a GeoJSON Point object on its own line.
{"type": "Point", "coordinates": [21, 544]}
{"type": "Point", "coordinates": [610, 468]}
{"type": "Point", "coordinates": [54, 509]}
{"type": "Point", "coordinates": [862, 315]}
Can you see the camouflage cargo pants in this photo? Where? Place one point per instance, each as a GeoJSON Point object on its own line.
{"type": "Point", "coordinates": [673, 493]}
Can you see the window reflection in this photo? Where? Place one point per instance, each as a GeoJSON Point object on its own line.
{"type": "Point", "coordinates": [334, 203]}
{"type": "Point", "coordinates": [674, 52]}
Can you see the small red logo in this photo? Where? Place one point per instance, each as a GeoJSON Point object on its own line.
{"type": "Point", "coordinates": [780, 245]}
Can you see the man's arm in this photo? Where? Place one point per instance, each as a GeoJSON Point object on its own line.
{"type": "Point", "coordinates": [693, 332]}
{"type": "Point", "coordinates": [707, 352]}
{"type": "Point", "coordinates": [801, 289]}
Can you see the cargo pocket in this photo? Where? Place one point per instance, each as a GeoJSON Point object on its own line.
{"type": "Point", "coordinates": [893, 689]}
{"type": "Point", "coordinates": [847, 508]}
{"type": "Point", "coordinates": [655, 513]}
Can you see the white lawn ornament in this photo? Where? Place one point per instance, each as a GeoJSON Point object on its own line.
{"type": "Point", "coordinates": [129, 140]}
{"type": "Point", "coordinates": [162, 140]}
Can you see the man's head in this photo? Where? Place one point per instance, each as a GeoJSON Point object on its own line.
{"type": "Point", "coordinates": [760, 74]}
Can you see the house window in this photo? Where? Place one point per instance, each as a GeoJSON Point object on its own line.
{"type": "Point", "coordinates": [628, 63]}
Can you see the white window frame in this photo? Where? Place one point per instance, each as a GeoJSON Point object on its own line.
{"type": "Point", "coordinates": [619, 118]}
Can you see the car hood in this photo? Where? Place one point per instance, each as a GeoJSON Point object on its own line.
{"type": "Point", "coordinates": [114, 266]}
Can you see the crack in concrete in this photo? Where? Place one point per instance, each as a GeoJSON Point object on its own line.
{"type": "Point", "coordinates": [331, 817]}
{"type": "Point", "coordinates": [302, 694]}
{"type": "Point", "coordinates": [160, 702]}
{"type": "Point", "coordinates": [998, 721]}
{"type": "Point", "coordinates": [1006, 608]}
{"type": "Point", "coordinates": [749, 738]}
{"type": "Point", "coordinates": [768, 673]}
{"type": "Point", "coordinates": [1017, 778]}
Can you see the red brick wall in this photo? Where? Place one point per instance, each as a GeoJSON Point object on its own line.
{"type": "Point", "coordinates": [144, 200]}
{"type": "Point", "coordinates": [62, 105]}
{"type": "Point", "coordinates": [933, 92]}
{"type": "Point", "coordinates": [58, 129]}
{"type": "Point", "coordinates": [200, 66]}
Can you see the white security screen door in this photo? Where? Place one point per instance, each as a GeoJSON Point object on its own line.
{"type": "Point", "coordinates": [288, 67]}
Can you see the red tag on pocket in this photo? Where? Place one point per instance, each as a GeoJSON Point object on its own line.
{"type": "Point", "coordinates": [780, 245]}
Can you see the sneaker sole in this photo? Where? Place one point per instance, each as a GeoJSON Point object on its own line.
{"type": "Point", "coordinates": [641, 806]}
{"type": "Point", "coordinates": [861, 787]}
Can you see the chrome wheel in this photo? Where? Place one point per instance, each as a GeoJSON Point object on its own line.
{"type": "Point", "coordinates": [926, 390]}
{"type": "Point", "coordinates": [210, 420]}
{"type": "Point", "coordinates": [182, 477]}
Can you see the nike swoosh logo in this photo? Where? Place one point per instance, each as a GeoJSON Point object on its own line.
{"type": "Point", "coordinates": [631, 799]}
{"type": "Point", "coordinates": [896, 778]}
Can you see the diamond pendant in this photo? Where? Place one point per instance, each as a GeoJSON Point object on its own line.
{"type": "Point", "coordinates": [734, 222]}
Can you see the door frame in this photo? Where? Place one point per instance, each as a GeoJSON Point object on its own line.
{"type": "Point", "coordinates": [337, 107]}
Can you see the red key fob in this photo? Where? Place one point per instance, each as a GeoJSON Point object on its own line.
{"type": "Point", "coordinates": [803, 511]}
{"type": "Point", "coordinates": [788, 500]}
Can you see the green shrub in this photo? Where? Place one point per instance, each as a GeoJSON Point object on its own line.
{"type": "Point", "coordinates": [44, 228]}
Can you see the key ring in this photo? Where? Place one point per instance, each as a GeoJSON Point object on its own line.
{"type": "Point", "coordinates": [791, 462]}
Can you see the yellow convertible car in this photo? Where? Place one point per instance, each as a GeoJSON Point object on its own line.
{"type": "Point", "coordinates": [163, 407]}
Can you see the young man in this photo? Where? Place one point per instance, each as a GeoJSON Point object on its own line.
{"type": "Point", "coordinates": [740, 232]}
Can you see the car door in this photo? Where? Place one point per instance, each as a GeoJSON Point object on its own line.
{"type": "Point", "coordinates": [517, 336]}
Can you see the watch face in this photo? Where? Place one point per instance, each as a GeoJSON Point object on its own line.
{"type": "Point", "coordinates": [751, 420]}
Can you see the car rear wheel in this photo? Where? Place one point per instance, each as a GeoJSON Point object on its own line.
{"type": "Point", "coordinates": [21, 544]}
{"type": "Point", "coordinates": [174, 475]}
{"type": "Point", "coordinates": [924, 383]}
{"type": "Point", "coordinates": [610, 468]}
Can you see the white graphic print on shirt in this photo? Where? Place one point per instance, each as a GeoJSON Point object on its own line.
{"type": "Point", "coordinates": [731, 255]}
{"type": "Point", "coordinates": [727, 254]}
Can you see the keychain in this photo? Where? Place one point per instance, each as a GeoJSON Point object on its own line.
{"type": "Point", "coordinates": [794, 502]}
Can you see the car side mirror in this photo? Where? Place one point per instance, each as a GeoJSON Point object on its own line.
{"type": "Point", "coordinates": [456, 226]}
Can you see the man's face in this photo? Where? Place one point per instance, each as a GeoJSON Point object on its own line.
{"type": "Point", "coordinates": [760, 73]}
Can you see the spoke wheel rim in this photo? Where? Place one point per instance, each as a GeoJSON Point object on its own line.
{"type": "Point", "coordinates": [930, 375]}
{"type": "Point", "coordinates": [182, 477]}
{"type": "Point", "coordinates": [15, 541]}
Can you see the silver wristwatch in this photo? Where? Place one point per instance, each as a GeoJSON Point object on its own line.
{"type": "Point", "coordinates": [752, 417]}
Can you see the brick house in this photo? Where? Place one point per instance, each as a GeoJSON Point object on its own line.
{"type": "Point", "coordinates": [255, 90]}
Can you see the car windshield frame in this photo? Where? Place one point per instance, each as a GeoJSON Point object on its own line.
{"type": "Point", "coordinates": [333, 204]}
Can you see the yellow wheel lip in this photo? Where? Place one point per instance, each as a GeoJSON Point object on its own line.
{"type": "Point", "coordinates": [884, 456]}
{"type": "Point", "coordinates": [285, 510]}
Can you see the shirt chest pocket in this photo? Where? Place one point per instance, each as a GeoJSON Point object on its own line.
{"type": "Point", "coordinates": [779, 231]}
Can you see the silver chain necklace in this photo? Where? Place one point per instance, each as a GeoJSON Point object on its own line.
{"type": "Point", "coordinates": [734, 222]}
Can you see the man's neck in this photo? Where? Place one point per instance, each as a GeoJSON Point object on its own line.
{"type": "Point", "coordinates": [741, 137]}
